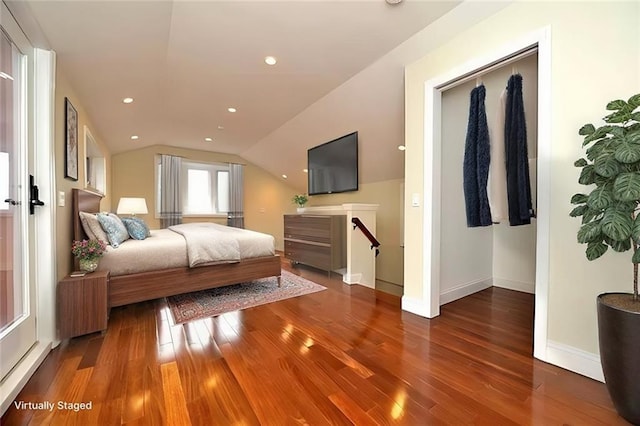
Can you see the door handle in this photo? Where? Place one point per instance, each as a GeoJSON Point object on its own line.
{"type": "Point", "coordinates": [12, 201]}
{"type": "Point", "coordinates": [33, 196]}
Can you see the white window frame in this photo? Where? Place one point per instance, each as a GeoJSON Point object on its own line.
{"type": "Point", "coordinates": [213, 168]}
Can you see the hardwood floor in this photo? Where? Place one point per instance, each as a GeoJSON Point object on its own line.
{"type": "Point", "coordinates": [346, 355]}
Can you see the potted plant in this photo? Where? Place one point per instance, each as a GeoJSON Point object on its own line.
{"type": "Point", "coordinates": [609, 211]}
{"type": "Point", "coordinates": [89, 253]}
{"type": "Point", "coordinates": [300, 200]}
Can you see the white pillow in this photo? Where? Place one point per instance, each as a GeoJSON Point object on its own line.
{"type": "Point", "coordinates": [92, 227]}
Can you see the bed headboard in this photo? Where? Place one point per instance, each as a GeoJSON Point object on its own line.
{"type": "Point", "coordinates": [83, 201]}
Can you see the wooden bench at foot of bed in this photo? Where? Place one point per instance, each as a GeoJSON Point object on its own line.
{"type": "Point", "coordinates": [126, 289]}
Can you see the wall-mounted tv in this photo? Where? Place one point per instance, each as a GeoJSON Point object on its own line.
{"type": "Point", "coordinates": [333, 166]}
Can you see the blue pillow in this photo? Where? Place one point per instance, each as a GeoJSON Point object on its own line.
{"type": "Point", "coordinates": [137, 229]}
{"type": "Point", "coordinates": [114, 228]}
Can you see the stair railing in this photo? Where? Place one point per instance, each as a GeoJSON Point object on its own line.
{"type": "Point", "coordinates": [357, 223]}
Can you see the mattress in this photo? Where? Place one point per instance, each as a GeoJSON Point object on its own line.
{"type": "Point", "coordinates": [166, 249]}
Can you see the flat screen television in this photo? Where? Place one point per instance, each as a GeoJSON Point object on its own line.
{"type": "Point", "coordinates": [333, 166]}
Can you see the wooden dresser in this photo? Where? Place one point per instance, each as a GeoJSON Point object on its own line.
{"type": "Point", "coordinates": [316, 240]}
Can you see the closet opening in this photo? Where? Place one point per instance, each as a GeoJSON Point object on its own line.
{"type": "Point", "coordinates": [460, 260]}
{"type": "Point", "coordinates": [495, 253]}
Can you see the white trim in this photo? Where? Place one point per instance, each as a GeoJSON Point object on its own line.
{"type": "Point", "coordinates": [45, 216]}
{"type": "Point", "coordinates": [432, 171]}
{"type": "Point", "coordinates": [351, 278]}
{"type": "Point", "coordinates": [464, 290]}
{"type": "Point", "coordinates": [415, 306]}
{"type": "Point", "coordinates": [515, 285]}
{"type": "Point", "coordinates": [11, 386]}
{"type": "Point", "coordinates": [574, 359]}
{"type": "Point", "coordinates": [543, 231]}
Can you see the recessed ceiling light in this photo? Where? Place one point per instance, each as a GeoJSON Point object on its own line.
{"type": "Point", "coordinates": [127, 100]}
{"type": "Point", "coordinates": [270, 60]}
{"type": "Point", "coordinates": [231, 109]}
{"type": "Point", "coordinates": [402, 147]}
{"type": "Point", "coordinates": [284, 176]}
{"type": "Point", "coordinates": [305, 170]}
{"type": "Point", "coordinates": [134, 137]}
{"type": "Point", "coordinates": [208, 139]}
{"type": "Point", "coordinates": [393, 1]}
{"type": "Point", "coordinates": [220, 127]}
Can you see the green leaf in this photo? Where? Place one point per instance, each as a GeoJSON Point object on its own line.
{"type": "Point", "coordinates": [627, 153]}
{"type": "Point", "coordinates": [587, 130]}
{"type": "Point", "coordinates": [620, 246]}
{"type": "Point", "coordinates": [580, 162]}
{"type": "Point", "coordinates": [606, 165]}
{"type": "Point", "coordinates": [636, 116]}
{"type": "Point", "coordinates": [598, 134]}
{"type": "Point", "coordinates": [579, 211]}
{"type": "Point", "coordinates": [633, 133]}
{"type": "Point", "coordinates": [627, 187]}
{"type": "Point", "coordinates": [590, 232]}
{"type": "Point", "coordinates": [617, 117]}
{"type": "Point", "coordinates": [579, 198]}
{"type": "Point", "coordinates": [596, 249]}
{"type": "Point", "coordinates": [587, 175]}
{"type": "Point", "coordinates": [600, 198]}
{"type": "Point", "coordinates": [616, 105]}
{"type": "Point", "coordinates": [635, 229]}
{"type": "Point", "coordinates": [634, 101]}
{"type": "Point", "coordinates": [617, 131]}
{"type": "Point", "coordinates": [616, 224]}
{"type": "Point", "coordinates": [590, 215]}
{"type": "Point", "coordinates": [636, 256]}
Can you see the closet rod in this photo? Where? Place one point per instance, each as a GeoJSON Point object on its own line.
{"type": "Point", "coordinates": [516, 56]}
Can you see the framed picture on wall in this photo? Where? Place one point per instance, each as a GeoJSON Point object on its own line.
{"type": "Point", "coordinates": [71, 141]}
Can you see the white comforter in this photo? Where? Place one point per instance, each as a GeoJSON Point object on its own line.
{"type": "Point", "coordinates": [209, 243]}
{"type": "Point", "coordinates": [167, 249]}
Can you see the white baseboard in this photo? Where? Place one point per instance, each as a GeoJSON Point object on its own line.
{"type": "Point", "coordinates": [415, 306]}
{"type": "Point", "coordinates": [20, 375]}
{"type": "Point", "coordinates": [352, 278]}
{"type": "Point", "coordinates": [515, 285]}
{"type": "Point", "coordinates": [464, 290]}
{"type": "Point", "coordinates": [573, 359]}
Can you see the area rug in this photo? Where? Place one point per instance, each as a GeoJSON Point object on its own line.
{"type": "Point", "coordinates": [217, 301]}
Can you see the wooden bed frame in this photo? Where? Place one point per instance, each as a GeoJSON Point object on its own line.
{"type": "Point", "coordinates": [126, 289]}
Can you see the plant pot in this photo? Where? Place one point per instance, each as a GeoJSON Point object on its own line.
{"type": "Point", "coordinates": [88, 265]}
{"type": "Point", "coordinates": [619, 339]}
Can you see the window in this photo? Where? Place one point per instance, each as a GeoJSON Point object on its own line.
{"type": "Point", "coordinates": [204, 187]}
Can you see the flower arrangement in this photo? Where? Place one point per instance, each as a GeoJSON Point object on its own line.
{"type": "Point", "coordinates": [300, 199]}
{"type": "Point", "coordinates": [88, 249]}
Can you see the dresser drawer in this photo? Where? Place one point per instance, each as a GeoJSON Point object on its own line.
{"type": "Point", "coordinates": [309, 254]}
{"type": "Point", "coordinates": [311, 228]}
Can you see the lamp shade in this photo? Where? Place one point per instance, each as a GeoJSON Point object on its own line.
{"type": "Point", "coordinates": [132, 206]}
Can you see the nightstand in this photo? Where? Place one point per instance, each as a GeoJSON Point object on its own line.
{"type": "Point", "coordinates": [83, 304]}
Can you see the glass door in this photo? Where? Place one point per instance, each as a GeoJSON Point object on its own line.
{"type": "Point", "coordinates": [17, 301]}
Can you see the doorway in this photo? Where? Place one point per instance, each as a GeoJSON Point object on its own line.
{"type": "Point", "coordinates": [434, 169]}
{"type": "Point", "coordinates": [26, 262]}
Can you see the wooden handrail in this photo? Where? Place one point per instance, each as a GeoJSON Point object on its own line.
{"type": "Point", "coordinates": [357, 223]}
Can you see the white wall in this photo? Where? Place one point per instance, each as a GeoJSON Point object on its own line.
{"type": "Point", "coordinates": [594, 58]}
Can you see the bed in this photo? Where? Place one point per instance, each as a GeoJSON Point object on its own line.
{"type": "Point", "coordinates": [126, 288]}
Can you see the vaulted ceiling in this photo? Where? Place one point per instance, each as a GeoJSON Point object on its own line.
{"type": "Point", "coordinates": [186, 62]}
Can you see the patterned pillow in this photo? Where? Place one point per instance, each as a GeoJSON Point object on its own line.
{"type": "Point", "coordinates": [143, 224]}
{"type": "Point", "coordinates": [114, 228]}
{"type": "Point", "coordinates": [92, 227]}
{"type": "Point", "coordinates": [136, 227]}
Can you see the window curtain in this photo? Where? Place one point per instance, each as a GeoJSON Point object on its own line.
{"type": "Point", "coordinates": [235, 216]}
{"type": "Point", "coordinates": [170, 196]}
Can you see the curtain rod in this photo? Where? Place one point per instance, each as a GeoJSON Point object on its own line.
{"type": "Point", "coordinates": [521, 54]}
